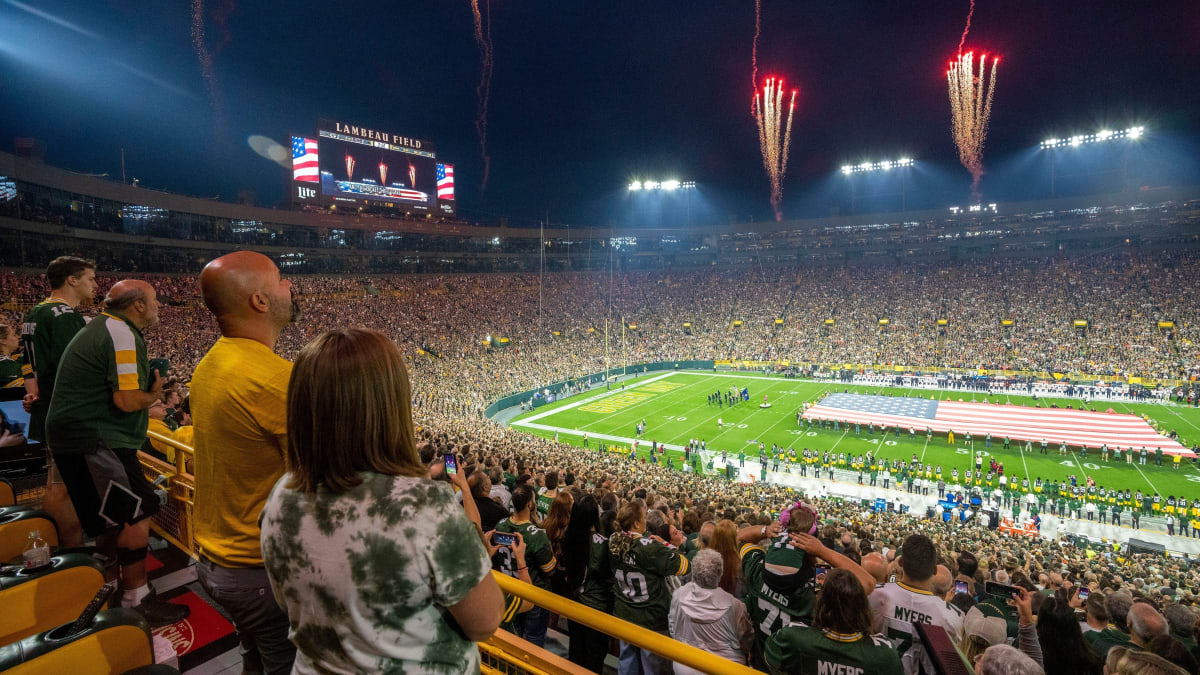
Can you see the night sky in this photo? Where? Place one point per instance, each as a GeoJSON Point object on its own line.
{"type": "Point", "coordinates": [587, 96]}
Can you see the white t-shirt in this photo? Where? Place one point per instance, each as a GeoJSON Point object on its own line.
{"type": "Point", "coordinates": [896, 607]}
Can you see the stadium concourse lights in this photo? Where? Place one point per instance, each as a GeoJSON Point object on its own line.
{"type": "Point", "coordinates": [664, 185]}
{"type": "Point", "coordinates": [885, 165]}
{"type": "Point", "coordinates": [1132, 133]}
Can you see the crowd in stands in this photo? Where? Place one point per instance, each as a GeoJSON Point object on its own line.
{"type": "Point", "coordinates": [380, 519]}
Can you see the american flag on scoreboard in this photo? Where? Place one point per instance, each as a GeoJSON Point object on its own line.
{"type": "Point", "coordinates": [304, 160]}
{"type": "Point", "coordinates": [445, 181]}
{"type": "Point", "coordinates": [1055, 425]}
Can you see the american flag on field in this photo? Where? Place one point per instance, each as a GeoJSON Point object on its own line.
{"type": "Point", "coordinates": [445, 181]}
{"type": "Point", "coordinates": [304, 160]}
{"type": "Point", "coordinates": [1020, 423]}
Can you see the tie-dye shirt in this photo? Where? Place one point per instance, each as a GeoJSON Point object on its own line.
{"type": "Point", "coordinates": [366, 576]}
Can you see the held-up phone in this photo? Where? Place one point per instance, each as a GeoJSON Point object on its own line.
{"type": "Point", "coordinates": [1084, 592]}
{"type": "Point", "coordinates": [160, 365]}
{"type": "Point", "coordinates": [821, 571]}
{"type": "Point", "coordinates": [451, 464]}
{"type": "Point", "coordinates": [1000, 590]}
{"type": "Point", "coordinates": [504, 539]}
{"type": "Point", "coordinates": [961, 587]}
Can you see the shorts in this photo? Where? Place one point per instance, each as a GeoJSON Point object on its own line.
{"type": "Point", "coordinates": [108, 488]}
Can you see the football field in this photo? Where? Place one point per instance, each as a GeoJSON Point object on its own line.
{"type": "Point", "coordinates": [675, 409]}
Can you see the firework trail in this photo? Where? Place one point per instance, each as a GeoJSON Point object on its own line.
{"type": "Point", "coordinates": [206, 61]}
{"type": "Point", "coordinates": [754, 49]}
{"type": "Point", "coordinates": [774, 136]}
{"type": "Point", "coordinates": [483, 38]}
{"type": "Point", "coordinates": [970, 110]}
{"type": "Point", "coordinates": [962, 40]}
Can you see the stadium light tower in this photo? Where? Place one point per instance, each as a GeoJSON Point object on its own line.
{"type": "Point", "coordinates": [1056, 144]}
{"type": "Point", "coordinates": [901, 165]}
{"type": "Point", "coordinates": [668, 185]}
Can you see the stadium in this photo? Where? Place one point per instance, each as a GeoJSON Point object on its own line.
{"type": "Point", "coordinates": [926, 414]}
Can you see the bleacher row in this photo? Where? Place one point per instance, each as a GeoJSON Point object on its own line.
{"type": "Point", "coordinates": [41, 630]}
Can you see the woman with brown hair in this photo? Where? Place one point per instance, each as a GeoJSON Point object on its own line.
{"type": "Point", "coordinates": [839, 639]}
{"type": "Point", "coordinates": [376, 566]}
{"type": "Point", "coordinates": [725, 542]}
{"type": "Point", "coordinates": [555, 524]}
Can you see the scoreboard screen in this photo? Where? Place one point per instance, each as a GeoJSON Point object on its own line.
{"type": "Point", "coordinates": [356, 169]}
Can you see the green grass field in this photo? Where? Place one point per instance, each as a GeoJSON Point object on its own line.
{"type": "Point", "coordinates": [675, 409]}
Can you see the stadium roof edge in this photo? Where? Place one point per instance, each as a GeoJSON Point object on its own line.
{"type": "Point", "coordinates": [42, 174]}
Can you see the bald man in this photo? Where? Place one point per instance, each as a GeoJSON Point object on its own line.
{"type": "Point", "coordinates": [96, 424]}
{"type": "Point", "coordinates": [877, 566]}
{"type": "Point", "coordinates": [239, 410]}
{"type": "Point", "coordinates": [943, 583]}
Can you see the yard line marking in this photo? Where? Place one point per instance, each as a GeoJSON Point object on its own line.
{"type": "Point", "coordinates": [623, 411]}
{"type": "Point", "coordinates": [606, 437]}
{"type": "Point", "coordinates": [1085, 473]}
{"type": "Point", "coordinates": [1147, 478]}
{"type": "Point", "coordinates": [840, 439]}
{"type": "Point", "coordinates": [591, 399]}
{"type": "Point", "coordinates": [923, 447]}
{"type": "Point", "coordinates": [726, 411]}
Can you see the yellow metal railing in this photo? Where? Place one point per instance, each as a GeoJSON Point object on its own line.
{"type": "Point", "coordinates": [665, 647]}
{"type": "Point", "coordinates": [503, 652]}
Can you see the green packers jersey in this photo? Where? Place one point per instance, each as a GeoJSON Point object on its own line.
{"type": "Point", "coordinates": [108, 355]}
{"type": "Point", "coordinates": [772, 606]}
{"type": "Point", "coordinates": [797, 650]}
{"type": "Point", "coordinates": [539, 556]}
{"type": "Point", "coordinates": [47, 330]}
{"type": "Point", "coordinates": [11, 372]}
{"type": "Point", "coordinates": [543, 504]}
{"type": "Point", "coordinates": [640, 566]}
{"type": "Point", "coordinates": [597, 591]}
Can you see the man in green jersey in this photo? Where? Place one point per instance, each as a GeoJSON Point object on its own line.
{"type": "Point", "coordinates": [538, 553]}
{"type": "Point", "coordinates": [45, 334]}
{"type": "Point", "coordinates": [97, 422]}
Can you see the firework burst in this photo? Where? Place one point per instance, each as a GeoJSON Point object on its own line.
{"type": "Point", "coordinates": [774, 136]}
{"type": "Point", "coordinates": [754, 49]}
{"type": "Point", "coordinates": [970, 109]}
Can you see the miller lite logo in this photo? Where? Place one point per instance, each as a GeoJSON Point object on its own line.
{"type": "Point", "coordinates": [305, 192]}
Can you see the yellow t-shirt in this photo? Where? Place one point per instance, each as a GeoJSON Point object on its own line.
{"type": "Point", "coordinates": [160, 427]}
{"type": "Point", "coordinates": [239, 413]}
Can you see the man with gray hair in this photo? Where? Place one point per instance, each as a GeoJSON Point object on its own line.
{"type": "Point", "coordinates": [1145, 624]}
{"type": "Point", "coordinates": [1006, 660]}
{"type": "Point", "coordinates": [1117, 604]}
{"type": "Point", "coordinates": [706, 616]}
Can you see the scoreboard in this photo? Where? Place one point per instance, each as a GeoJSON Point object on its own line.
{"type": "Point", "coordinates": [344, 163]}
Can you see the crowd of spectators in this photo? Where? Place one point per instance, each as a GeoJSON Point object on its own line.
{"type": "Point", "coordinates": [750, 572]}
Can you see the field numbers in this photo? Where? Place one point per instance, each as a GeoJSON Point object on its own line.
{"type": "Point", "coordinates": [675, 418]}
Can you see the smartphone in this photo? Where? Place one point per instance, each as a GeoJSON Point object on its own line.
{"type": "Point", "coordinates": [961, 587]}
{"type": "Point", "coordinates": [504, 539]}
{"type": "Point", "coordinates": [161, 365]}
{"type": "Point", "coordinates": [821, 571]}
{"type": "Point", "coordinates": [1084, 592]}
{"type": "Point", "coordinates": [451, 464]}
{"type": "Point", "coordinates": [1000, 590]}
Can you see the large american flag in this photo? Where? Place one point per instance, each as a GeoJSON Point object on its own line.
{"type": "Point", "coordinates": [1055, 425]}
{"type": "Point", "coordinates": [304, 160]}
{"type": "Point", "coordinates": [445, 181]}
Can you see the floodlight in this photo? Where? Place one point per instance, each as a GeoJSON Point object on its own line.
{"type": "Point", "coordinates": [885, 165]}
{"type": "Point", "coordinates": [847, 169]}
{"type": "Point", "coordinates": [688, 185]}
{"type": "Point", "coordinates": [635, 185]}
{"type": "Point", "coordinates": [651, 185]}
{"type": "Point", "coordinates": [670, 185]}
{"type": "Point", "coordinates": [1098, 137]}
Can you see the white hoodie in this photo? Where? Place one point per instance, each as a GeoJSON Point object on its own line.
{"type": "Point", "coordinates": [712, 620]}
